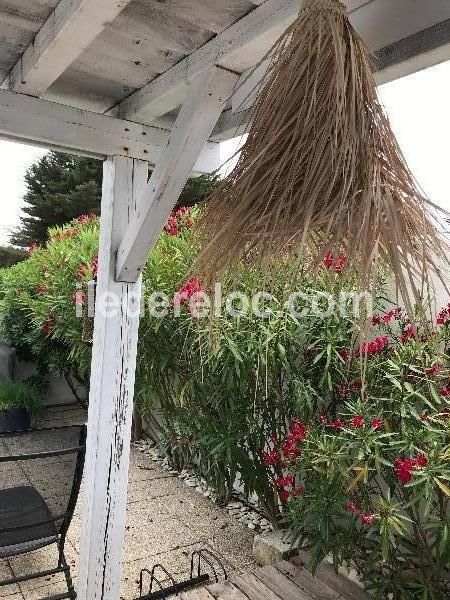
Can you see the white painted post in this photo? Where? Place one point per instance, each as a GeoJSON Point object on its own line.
{"type": "Point", "coordinates": [111, 393]}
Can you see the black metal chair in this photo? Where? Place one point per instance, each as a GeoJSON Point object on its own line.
{"type": "Point", "coordinates": [40, 478]}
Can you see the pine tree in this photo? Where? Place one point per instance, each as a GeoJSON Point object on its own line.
{"type": "Point", "coordinates": [10, 256]}
{"type": "Point", "coordinates": [61, 187]}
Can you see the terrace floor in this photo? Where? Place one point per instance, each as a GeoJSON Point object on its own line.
{"type": "Point", "coordinates": [167, 521]}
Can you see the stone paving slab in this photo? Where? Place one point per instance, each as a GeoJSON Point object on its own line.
{"type": "Point", "coordinates": [166, 522]}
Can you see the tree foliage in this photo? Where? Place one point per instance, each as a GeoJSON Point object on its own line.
{"type": "Point", "coordinates": [10, 256]}
{"type": "Point", "coordinates": [61, 187]}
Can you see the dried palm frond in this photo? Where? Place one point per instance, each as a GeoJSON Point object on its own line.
{"type": "Point", "coordinates": [321, 169]}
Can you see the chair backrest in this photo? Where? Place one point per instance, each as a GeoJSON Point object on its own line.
{"type": "Point", "coordinates": [50, 461]}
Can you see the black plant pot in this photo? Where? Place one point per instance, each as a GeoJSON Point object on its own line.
{"type": "Point", "coordinates": [14, 419]}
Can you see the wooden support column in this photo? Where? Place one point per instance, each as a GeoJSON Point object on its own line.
{"type": "Point", "coordinates": [206, 98]}
{"type": "Point", "coordinates": [112, 388]}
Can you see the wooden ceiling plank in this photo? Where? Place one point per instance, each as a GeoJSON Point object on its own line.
{"type": "Point", "coordinates": [145, 104]}
{"type": "Point", "coordinates": [70, 29]}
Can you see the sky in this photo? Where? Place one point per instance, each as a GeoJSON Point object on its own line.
{"type": "Point", "coordinates": [418, 107]}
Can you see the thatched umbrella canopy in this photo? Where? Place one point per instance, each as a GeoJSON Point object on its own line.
{"type": "Point", "coordinates": [321, 169]}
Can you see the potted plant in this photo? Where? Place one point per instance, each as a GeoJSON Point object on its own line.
{"type": "Point", "coordinates": [18, 402]}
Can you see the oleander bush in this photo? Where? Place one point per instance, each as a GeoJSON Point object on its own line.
{"type": "Point", "coordinates": [345, 441]}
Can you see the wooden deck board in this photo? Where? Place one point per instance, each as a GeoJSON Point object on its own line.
{"type": "Point", "coordinates": [325, 572]}
{"type": "Point", "coordinates": [276, 581]}
{"type": "Point", "coordinates": [317, 589]}
{"type": "Point", "coordinates": [283, 581]}
{"type": "Point", "coordinates": [226, 591]}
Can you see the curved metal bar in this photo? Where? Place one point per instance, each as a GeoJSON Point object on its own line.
{"type": "Point", "coordinates": [154, 579]}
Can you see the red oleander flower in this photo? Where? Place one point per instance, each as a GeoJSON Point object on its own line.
{"type": "Point", "coordinates": [403, 469]}
{"type": "Point", "coordinates": [48, 326]}
{"type": "Point", "coordinates": [328, 260]}
{"type": "Point", "coordinates": [79, 297]}
{"type": "Point", "coordinates": [445, 391]}
{"type": "Point", "coordinates": [367, 519]}
{"type": "Point", "coordinates": [409, 333]}
{"type": "Point", "coordinates": [434, 370]}
{"type": "Point", "coordinates": [421, 460]}
{"type": "Point", "coordinates": [323, 420]}
{"type": "Point", "coordinates": [351, 507]}
{"type": "Point", "coordinates": [376, 320]}
{"type": "Point", "coordinates": [290, 450]}
{"type": "Point", "coordinates": [444, 316]}
{"type": "Point", "coordinates": [357, 421]}
{"type": "Point", "coordinates": [339, 264]}
{"type": "Point", "coordinates": [374, 347]}
{"type": "Point", "coordinates": [298, 491]}
{"type": "Point", "coordinates": [345, 355]}
{"type": "Point", "coordinates": [337, 424]}
{"type": "Point", "coordinates": [94, 266]}
{"type": "Point", "coordinates": [191, 287]}
{"type": "Point", "coordinates": [297, 432]}
{"type": "Point", "coordinates": [335, 264]}
{"type": "Point", "coordinates": [271, 458]}
{"type": "Point", "coordinates": [377, 423]}
{"type": "Point", "coordinates": [83, 219]}
{"type": "Point", "coordinates": [283, 482]}
{"type": "Point", "coordinates": [284, 495]}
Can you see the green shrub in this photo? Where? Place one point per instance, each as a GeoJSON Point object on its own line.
{"type": "Point", "coordinates": [365, 475]}
{"type": "Point", "coordinates": [243, 396]}
{"type": "Point", "coordinates": [15, 394]}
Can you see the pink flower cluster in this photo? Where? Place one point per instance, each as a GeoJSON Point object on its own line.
{"type": "Point", "coordinates": [84, 219]}
{"type": "Point", "coordinates": [409, 333]}
{"type": "Point", "coordinates": [177, 219]}
{"type": "Point", "coordinates": [345, 390]}
{"type": "Point", "coordinates": [387, 318]}
{"type": "Point", "coordinates": [288, 452]}
{"type": "Point", "coordinates": [88, 271]}
{"type": "Point", "coordinates": [444, 316]}
{"type": "Point", "coordinates": [357, 422]}
{"type": "Point", "coordinates": [79, 297]}
{"type": "Point", "coordinates": [405, 467]}
{"type": "Point", "coordinates": [433, 370]}
{"type": "Point", "coordinates": [374, 347]}
{"type": "Point", "coordinates": [287, 488]}
{"type": "Point", "coordinates": [335, 264]}
{"type": "Point", "coordinates": [185, 293]}
{"type": "Point", "coordinates": [48, 326]}
{"type": "Point", "coordinates": [365, 518]}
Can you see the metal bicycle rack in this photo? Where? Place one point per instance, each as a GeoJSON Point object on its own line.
{"type": "Point", "coordinates": [206, 568]}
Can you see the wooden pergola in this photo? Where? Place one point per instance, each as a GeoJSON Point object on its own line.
{"type": "Point", "coordinates": [154, 82]}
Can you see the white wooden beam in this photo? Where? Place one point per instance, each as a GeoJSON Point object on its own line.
{"type": "Point", "coordinates": [111, 390]}
{"type": "Point", "coordinates": [72, 26]}
{"type": "Point", "coordinates": [163, 94]}
{"type": "Point", "coordinates": [203, 106]}
{"type": "Point", "coordinates": [52, 125]}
